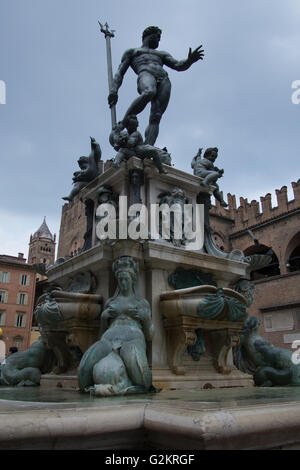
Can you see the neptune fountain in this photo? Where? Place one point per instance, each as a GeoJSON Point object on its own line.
{"type": "Point", "coordinates": [149, 314]}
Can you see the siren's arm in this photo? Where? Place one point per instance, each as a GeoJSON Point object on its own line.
{"type": "Point", "coordinates": [148, 327]}
{"type": "Point", "coordinates": [108, 314]}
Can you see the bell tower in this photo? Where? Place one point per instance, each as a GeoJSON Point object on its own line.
{"type": "Point", "coordinates": [42, 245]}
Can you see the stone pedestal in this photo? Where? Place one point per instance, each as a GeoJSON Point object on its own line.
{"type": "Point", "coordinates": [171, 366]}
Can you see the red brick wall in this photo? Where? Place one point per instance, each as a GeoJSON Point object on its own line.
{"type": "Point", "coordinates": [72, 228]}
{"type": "Point", "coordinates": [276, 227]}
{"type": "Point", "coordinates": [278, 294]}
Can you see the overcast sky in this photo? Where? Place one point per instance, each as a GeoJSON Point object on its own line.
{"type": "Point", "coordinates": [53, 62]}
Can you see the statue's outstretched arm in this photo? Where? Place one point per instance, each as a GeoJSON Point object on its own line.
{"type": "Point", "coordinates": [181, 65]}
{"type": "Point", "coordinates": [96, 150]}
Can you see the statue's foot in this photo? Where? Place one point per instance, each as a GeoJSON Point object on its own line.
{"type": "Point", "coordinates": [66, 198]}
{"type": "Point", "coordinates": [224, 204]}
{"type": "Point", "coordinates": [116, 165]}
{"type": "Point", "coordinates": [163, 171]}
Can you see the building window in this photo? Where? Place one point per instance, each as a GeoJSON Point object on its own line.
{"type": "Point", "coordinates": [2, 318]}
{"type": "Point", "coordinates": [294, 260]}
{"type": "Point", "coordinates": [3, 297]}
{"type": "Point", "coordinates": [268, 322]}
{"type": "Point", "coordinates": [22, 299]}
{"type": "Point", "coordinates": [24, 279]}
{"type": "Point", "coordinates": [20, 320]}
{"type": "Point", "coordinates": [18, 340]}
{"type": "Point", "coordinates": [279, 321]}
{"type": "Point", "coordinates": [272, 269]}
{"type": "Point", "coordinates": [4, 276]}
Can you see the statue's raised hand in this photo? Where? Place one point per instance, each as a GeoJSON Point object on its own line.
{"type": "Point", "coordinates": [112, 98]}
{"type": "Point", "coordinates": [195, 55]}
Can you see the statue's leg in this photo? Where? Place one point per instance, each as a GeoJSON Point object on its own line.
{"type": "Point", "coordinates": [211, 178]}
{"type": "Point", "coordinates": [135, 360]}
{"type": "Point", "coordinates": [118, 159]}
{"type": "Point", "coordinates": [219, 197]}
{"type": "Point", "coordinates": [85, 370]}
{"type": "Point", "coordinates": [158, 163]}
{"type": "Point", "coordinates": [148, 151]}
{"type": "Point", "coordinates": [158, 106]}
{"type": "Point", "coordinates": [77, 187]}
{"type": "Point", "coordinates": [147, 90]}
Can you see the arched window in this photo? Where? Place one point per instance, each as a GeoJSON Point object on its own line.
{"type": "Point", "coordinates": [294, 260]}
{"type": "Point", "coordinates": [272, 269]}
{"type": "Point", "coordinates": [293, 254]}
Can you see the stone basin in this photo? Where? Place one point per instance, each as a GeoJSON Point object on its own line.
{"type": "Point", "coordinates": [186, 301]}
{"type": "Point", "coordinates": [70, 323]}
{"type": "Point", "coordinates": [82, 307]}
{"type": "Point", "coordinates": [218, 312]}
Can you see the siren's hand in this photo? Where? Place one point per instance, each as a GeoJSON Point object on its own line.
{"type": "Point", "coordinates": [112, 98]}
{"type": "Point", "coordinates": [195, 55]}
{"type": "Point", "coordinates": [109, 313]}
{"type": "Point", "coordinates": [134, 313]}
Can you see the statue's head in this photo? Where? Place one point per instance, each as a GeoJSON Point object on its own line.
{"type": "Point", "coordinates": [152, 35]}
{"type": "Point", "coordinates": [246, 288]}
{"type": "Point", "coordinates": [131, 123]}
{"type": "Point", "coordinates": [105, 194]}
{"type": "Point", "coordinates": [125, 269]}
{"type": "Point", "coordinates": [251, 324]}
{"type": "Point", "coordinates": [165, 156]}
{"type": "Point", "coordinates": [178, 193]}
{"type": "Point", "coordinates": [211, 153]}
{"type": "Point", "coordinates": [83, 162]}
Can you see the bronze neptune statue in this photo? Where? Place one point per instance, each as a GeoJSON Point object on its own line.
{"type": "Point", "coordinates": [153, 82]}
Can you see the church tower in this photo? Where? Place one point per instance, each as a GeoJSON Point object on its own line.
{"type": "Point", "coordinates": [42, 246]}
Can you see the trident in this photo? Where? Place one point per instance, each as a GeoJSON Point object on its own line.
{"type": "Point", "coordinates": [109, 34]}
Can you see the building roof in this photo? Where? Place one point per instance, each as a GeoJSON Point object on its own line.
{"type": "Point", "coordinates": [43, 231]}
{"type": "Point", "coordinates": [17, 261]}
{"type": "Point", "coordinates": [13, 259]}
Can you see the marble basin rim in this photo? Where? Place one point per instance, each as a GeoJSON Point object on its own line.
{"type": "Point", "coordinates": [78, 305]}
{"type": "Point", "coordinates": [186, 301]}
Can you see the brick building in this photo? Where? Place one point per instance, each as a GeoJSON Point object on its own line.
{"type": "Point", "coordinates": [247, 228]}
{"type": "Point", "coordinates": [277, 293]}
{"type": "Point", "coordinates": [73, 223]}
{"type": "Point", "coordinates": [17, 287]}
{"type": "Point", "coordinates": [72, 228]}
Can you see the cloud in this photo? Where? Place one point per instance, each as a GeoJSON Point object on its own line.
{"type": "Point", "coordinates": [54, 65]}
